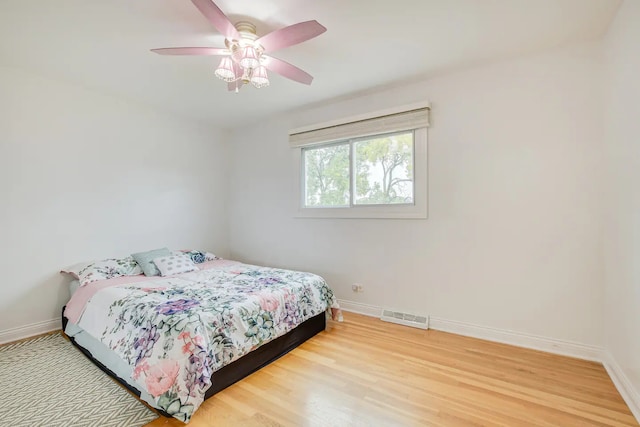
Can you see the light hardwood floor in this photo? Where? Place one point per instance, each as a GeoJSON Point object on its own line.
{"type": "Point", "coordinates": [365, 372]}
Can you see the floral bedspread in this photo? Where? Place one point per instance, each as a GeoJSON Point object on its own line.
{"type": "Point", "coordinates": [175, 332]}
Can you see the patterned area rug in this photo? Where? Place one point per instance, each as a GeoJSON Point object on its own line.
{"type": "Point", "coordinates": [45, 381]}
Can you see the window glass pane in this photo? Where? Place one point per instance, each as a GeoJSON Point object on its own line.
{"type": "Point", "coordinates": [326, 171]}
{"type": "Point", "coordinates": [384, 170]}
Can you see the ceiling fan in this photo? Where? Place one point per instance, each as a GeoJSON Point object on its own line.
{"type": "Point", "coordinates": [245, 59]}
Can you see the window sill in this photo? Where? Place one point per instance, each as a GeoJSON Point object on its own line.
{"type": "Point", "coordinates": [401, 212]}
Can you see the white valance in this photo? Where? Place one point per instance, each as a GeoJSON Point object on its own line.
{"type": "Point", "coordinates": [396, 122]}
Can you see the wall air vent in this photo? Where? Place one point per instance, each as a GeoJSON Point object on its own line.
{"type": "Point", "coordinates": [415, 321]}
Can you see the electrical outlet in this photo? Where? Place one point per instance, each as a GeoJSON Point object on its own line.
{"type": "Point", "coordinates": [357, 287]}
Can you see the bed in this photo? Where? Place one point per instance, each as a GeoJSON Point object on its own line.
{"type": "Point", "coordinates": [175, 341]}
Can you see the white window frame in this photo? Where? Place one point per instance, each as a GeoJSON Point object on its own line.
{"type": "Point", "coordinates": [417, 210]}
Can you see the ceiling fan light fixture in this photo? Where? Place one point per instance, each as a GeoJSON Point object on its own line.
{"type": "Point", "coordinates": [236, 52]}
{"type": "Point", "coordinates": [244, 60]}
{"type": "Point", "coordinates": [246, 76]}
{"type": "Point", "coordinates": [249, 58]}
{"type": "Point", "coordinates": [225, 70]}
{"type": "Point", "coordinates": [259, 77]}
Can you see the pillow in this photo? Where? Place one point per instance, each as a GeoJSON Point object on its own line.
{"type": "Point", "coordinates": [88, 272]}
{"type": "Point", "coordinates": [145, 260]}
{"type": "Point", "coordinates": [76, 268]}
{"type": "Point", "coordinates": [174, 264]}
{"type": "Point", "coordinates": [198, 257]}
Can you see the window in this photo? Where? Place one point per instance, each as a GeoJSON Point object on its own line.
{"type": "Point", "coordinates": [326, 176]}
{"type": "Point", "coordinates": [376, 170]}
{"type": "Point", "coordinates": [368, 168]}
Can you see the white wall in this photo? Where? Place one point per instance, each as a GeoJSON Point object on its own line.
{"type": "Point", "coordinates": [622, 216]}
{"type": "Point", "coordinates": [86, 176]}
{"type": "Point", "coordinates": [513, 239]}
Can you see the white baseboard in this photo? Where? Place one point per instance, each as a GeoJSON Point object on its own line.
{"type": "Point", "coordinates": [628, 392]}
{"type": "Point", "coordinates": [27, 331]}
{"type": "Point", "coordinates": [358, 307]}
{"type": "Point", "coordinates": [519, 339]}
{"type": "Point", "coordinates": [550, 345]}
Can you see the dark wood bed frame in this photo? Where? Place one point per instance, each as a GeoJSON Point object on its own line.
{"type": "Point", "coordinates": [242, 367]}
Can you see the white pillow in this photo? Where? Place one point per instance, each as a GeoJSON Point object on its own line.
{"type": "Point", "coordinates": [88, 272]}
{"type": "Point", "coordinates": [174, 264]}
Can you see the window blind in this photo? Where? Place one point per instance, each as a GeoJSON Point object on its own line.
{"type": "Point", "coordinates": [396, 122]}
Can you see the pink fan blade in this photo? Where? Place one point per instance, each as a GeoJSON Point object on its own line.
{"type": "Point", "coordinates": [191, 51]}
{"type": "Point", "coordinates": [291, 35]}
{"type": "Point", "coordinates": [232, 86]}
{"type": "Point", "coordinates": [217, 18]}
{"type": "Point", "coordinates": [287, 70]}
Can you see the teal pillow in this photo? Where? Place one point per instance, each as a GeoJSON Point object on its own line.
{"type": "Point", "coordinates": [145, 260]}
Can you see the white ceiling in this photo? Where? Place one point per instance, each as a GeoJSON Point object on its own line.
{"type": "Point", "coordinates": [104, 44]}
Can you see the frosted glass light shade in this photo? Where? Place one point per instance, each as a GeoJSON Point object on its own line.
{"type": "Point", "coordinates": [225, 70]}
{"type": "Point", "coordinates": [249, 58]}
{"type": "Point", "coordinates": [259, 77]}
